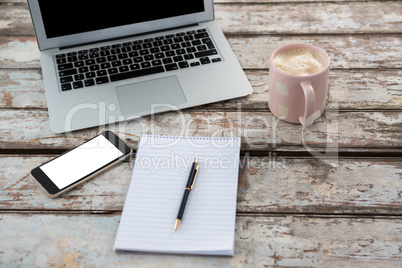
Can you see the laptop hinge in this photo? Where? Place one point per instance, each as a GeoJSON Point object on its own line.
{"type": "Point", "coordinates": [128, 36]}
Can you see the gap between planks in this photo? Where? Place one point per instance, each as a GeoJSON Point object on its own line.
{"type": "Point", "coordinates": [238, 214]}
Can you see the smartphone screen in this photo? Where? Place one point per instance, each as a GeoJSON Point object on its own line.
{"type": "Point", "coordinates": [80, 162]}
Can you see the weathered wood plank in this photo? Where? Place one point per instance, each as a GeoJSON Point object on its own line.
{"type": "Point", "coordinates": [267, 185]}
{"type": "Point", "coordinates": [260, 131]}
{"type": "Point", "coordinates": [311, 18]}
{"type": "Point", "coordinates": [357, 51]}
{"type": "Point", "coordinates": [346, 52]}
{"type": "Point", "coordinates": [22, 89]}
{"type": "Point", "coordinates": [365, 89]}
{"type": "Point", "coordinates": [10, 2]}
{"type": "Point", "coordinates": [295, 18]}
{"type": "Point", "coordinates": [84, 240]}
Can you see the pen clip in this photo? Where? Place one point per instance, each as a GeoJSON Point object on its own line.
{"type": "Point", "coordinates": [195, 176]}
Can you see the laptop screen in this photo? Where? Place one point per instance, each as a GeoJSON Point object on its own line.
{"type": "Point", "coordinates": [68, 17]}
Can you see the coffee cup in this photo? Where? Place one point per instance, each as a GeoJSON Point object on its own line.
{"type": "Point", "coordinates": [298, 83]}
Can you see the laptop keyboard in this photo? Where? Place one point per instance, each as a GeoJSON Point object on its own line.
{"type": "Point", "coordinates": [105, 64]}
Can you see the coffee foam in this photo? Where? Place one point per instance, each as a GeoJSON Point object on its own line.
{"type": "Point", "coordinates": [301, 61]}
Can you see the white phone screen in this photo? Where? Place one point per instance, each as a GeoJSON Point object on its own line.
{"type": "Point", "coordinates": [81, 161]}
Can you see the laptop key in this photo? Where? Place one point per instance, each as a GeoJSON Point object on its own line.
{"type": "Point", "coordinates": [83, 70]}
{"type": "Point", "coordinates": [201, 47]}
{"type": "Point", "coordinates": [183, 64]}
{"type": "Point", "coordinates": [206, 53]}
{"type": "Point", "coordinates": [78, 77]}
{"type": "Point", "coordinates": [196, 42]}
{"type": "Point", "coordinates": [147, 45]}
{"type": "Point", "coordinates": [102, 80]}
{"type": "Point", "coordinates": [136, 47]}
{"type": "Point", "coordinates": [145, 64]}
{"type": "Point", "coordinates": [205, 60]}
{"type": "Point", "coordinates": [167, 60]}
{"type": "Point", "coordinates": [90, 75]}
{"type": "Point", "coordinates": [124, 69]}
{"type": "Point", "coordinates": [188, 56]}
{"type": "Point", "coordinates": [83, 57]}
{"type": "Point", "coordinates": [78, 84]}
{"type": "Point", "coordinates": [79, 64]}
{"type": "Point", "coordinates": [171, 67]}
{"type": "Point", "coordinates": [137, 73]}
{"type": "Point", "coordinates": [126, 49]}
{"type": "Point", "coordinates": [175, 46]}
{"type": "Point", "coordinates": [72, 53]}
{"type": "Point", "coordinates": [83, 51]}
{"type": "Point", "coordinates": [112, 71]}
{"type": "Point", "coordinates": [61, 60]}
{"type": "Point", "coordinates": [94, 49]}
{"type": "Point", "coordinates": [66, 79]}
{"type": "Point", "coordinates": [216, 60]}
{"type": "Point", "coordinates": [65, 66]}
{"type": "Point", "coordinates": [72, 58]}
{"type": "Point", "coordinates": [89, 82]}
{"type": "Point", "coordinates": [144, 52]}
{"type": "Point", "coordinates": [65, 87]}
{"type": "Point", "coordinates": [157, 43]}
{"type": "Point", "coordinates": [68, 72]}
{"type": "Point", "coordinates": [201, 35]}
{"type": "Point", "coordinates": [191, 50]}
{"type": "Point", "coordinates": [101, 60]}
{"type": "Point", "coordinates": [101, 73]}
{"type": "Point", "coordinates": [138, 59]}
{"type": "Point", "coordinates": [90, 62]}
{"type": "Point", "coordinates": [112, 58]}
{"type": "Point", "coordinates": [122, 56]}
{"type": "Point", "coordinates": [195, 64]}
{"type": "Point", "coordinates": [178, 58]}
{"type": "Point", "coordinates": [94, 68]}
{"type": "Point", "coordinates": [156, 62]}
{"type": "Point", "coordinates": [127, 61]}
{"type": "Point", "coordinates": [149, 57]}
{"type": "Point", "coordinates": [105, 65]}
{"type": "Point", "coordinates": [116, 63]}
{"type": "Point", "coordinates": [60, 56]}
{"type": "Point", "coordinates": [105, 48]}
{"type": "Point", "coordinates": [159, 55]}
{"type": "Point", "coordinates": [104, 53]}
{"type": "Point", "coordinates": [115, 51]}
{"type": "Point", "coordinates": [135, 66]}
{"type": "Point", "coordinates": [133, 54]}
{"type": "Point", "coordinates": [94, 55]}
{"type": "Point", "coordinates": [165, 48]}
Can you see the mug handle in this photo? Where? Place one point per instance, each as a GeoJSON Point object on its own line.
{"type": "Point", "coordinates": [309, 97]}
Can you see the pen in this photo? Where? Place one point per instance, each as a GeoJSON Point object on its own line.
{"type": "Point", "coordinates": [187, 190]}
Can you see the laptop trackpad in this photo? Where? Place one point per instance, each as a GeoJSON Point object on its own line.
{"type": "Point", "coordinates": [156, 95]}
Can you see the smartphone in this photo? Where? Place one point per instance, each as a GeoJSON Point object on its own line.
{"type": "Point", "coordinates": [80, 164]}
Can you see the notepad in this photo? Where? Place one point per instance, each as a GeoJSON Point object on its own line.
{"type": "Point", "coordinates": [160, 173]}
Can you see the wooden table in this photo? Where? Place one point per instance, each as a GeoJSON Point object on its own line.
{"type": "Point", "coordinates": [295, 208]}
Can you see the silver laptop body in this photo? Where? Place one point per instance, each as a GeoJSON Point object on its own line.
{"type": "Point", "coordinates": [105, 62]}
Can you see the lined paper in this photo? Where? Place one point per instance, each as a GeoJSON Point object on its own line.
{"type": "Point", "coordinates": [160, 173]}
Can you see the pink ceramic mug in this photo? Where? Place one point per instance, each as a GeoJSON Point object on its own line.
{"type": "Point", "coordinates": [298, 99]}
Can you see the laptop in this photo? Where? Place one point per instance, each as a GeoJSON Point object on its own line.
{"type": "Point", "coordinates": [109, 61]}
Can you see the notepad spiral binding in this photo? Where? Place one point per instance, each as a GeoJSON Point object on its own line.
{"type": "Point", "coordinates": [191, 137]}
